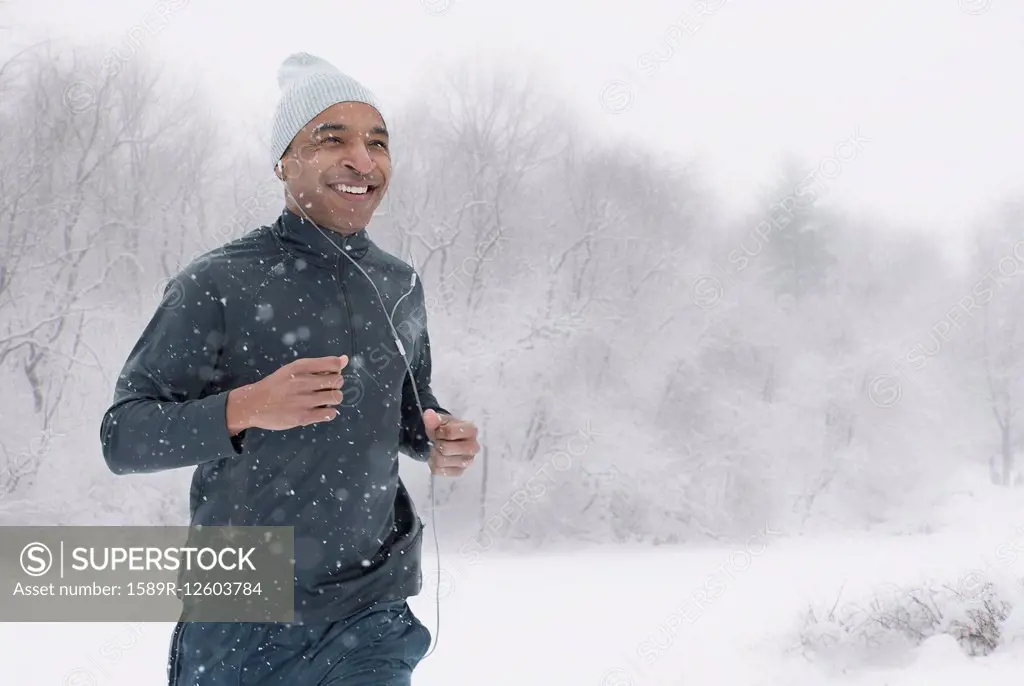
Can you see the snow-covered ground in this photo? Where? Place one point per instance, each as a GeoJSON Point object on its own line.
{"type": "Point", "coordinates": [619, 616]}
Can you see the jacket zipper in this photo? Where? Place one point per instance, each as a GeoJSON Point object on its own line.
{"type": "Point", "coordinates": [348, 308]}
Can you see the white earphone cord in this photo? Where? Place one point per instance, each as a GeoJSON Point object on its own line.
{"type": "Point", "coordinates": [416, 394]}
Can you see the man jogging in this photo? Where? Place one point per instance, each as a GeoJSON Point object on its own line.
{"type": "Point", "coordinates": [289, 368]}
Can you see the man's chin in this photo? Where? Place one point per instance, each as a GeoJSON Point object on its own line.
{"type": "Point", "coordinates": [346, 221]}
{"type": "Point", "coordinates": [342, 217]}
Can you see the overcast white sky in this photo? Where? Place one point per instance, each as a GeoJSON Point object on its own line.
{"type": "Point", "coordinates": [937, 88]}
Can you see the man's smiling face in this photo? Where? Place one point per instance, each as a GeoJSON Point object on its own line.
{"type": "Point", "coordinates": [337, 168]}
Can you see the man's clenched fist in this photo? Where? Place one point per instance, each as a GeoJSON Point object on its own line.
{"type": "Point", "coordinates": [455, 443]}
{"type": "Point", "coordinates": [300, 393]}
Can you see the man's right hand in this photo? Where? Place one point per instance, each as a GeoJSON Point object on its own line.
{"type": "Point", "coordinates": [298, 394]}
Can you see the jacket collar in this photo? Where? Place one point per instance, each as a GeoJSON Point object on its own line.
{"type": "Point", "coordinates": [304, 239]}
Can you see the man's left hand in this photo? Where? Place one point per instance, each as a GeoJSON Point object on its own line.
{"type": "Point", "coordinates": [454, 441]}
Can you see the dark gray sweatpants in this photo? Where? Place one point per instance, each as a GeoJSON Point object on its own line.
{"type": "Point", "coordinates": [379, 646]}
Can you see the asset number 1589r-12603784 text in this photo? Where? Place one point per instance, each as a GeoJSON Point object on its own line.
{"type": "Point", "coordinates": [142, 588]}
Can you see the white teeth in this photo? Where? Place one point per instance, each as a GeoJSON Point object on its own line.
{"type": "Point", "coordinates": [359, 190]}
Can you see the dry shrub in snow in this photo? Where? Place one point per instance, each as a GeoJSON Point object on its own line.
{"type": "Point", "coordinates": [885, 627]}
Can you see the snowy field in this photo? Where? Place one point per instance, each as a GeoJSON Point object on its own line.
{"type": "Point", "coordinates": [617, 616]}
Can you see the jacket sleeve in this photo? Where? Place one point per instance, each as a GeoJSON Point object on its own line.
{"type": "Point", "coordinates": [413, 440]}
{"type": "Point", "coordinates": [160, 418]}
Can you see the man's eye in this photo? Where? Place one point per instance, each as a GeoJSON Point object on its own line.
{"type": "Point", "coordinates": [330, 139]}
{"type": "Point", "coordinates": [380, 144]}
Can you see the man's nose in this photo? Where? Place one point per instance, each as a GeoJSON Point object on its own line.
{"type": "Point", "coordinates": [359, 160]}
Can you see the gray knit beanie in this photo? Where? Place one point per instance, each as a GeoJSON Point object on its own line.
{"type": "Point", "coordinates": [309, 85]}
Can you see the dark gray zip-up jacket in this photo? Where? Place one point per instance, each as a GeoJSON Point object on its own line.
{"type": "Point", "coordinates": [237, 314]}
